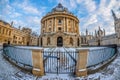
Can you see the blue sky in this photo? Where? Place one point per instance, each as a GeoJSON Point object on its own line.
{"type": "Point", "coordinates": [91, 13]}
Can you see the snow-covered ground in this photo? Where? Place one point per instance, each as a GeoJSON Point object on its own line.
{"type": "Point", "coordinates": [10, 72]}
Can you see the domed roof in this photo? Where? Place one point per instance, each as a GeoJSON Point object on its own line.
{"type": "Point", "coordinates": [59, 8]}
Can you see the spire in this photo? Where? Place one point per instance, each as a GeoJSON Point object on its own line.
{"type": "Point", "coordinates": [113, 14]}
{"type": "Point", "coordinates": [95, 33]}
{"type": "Point", "coordinates": [99, 28]}
{"type": "Point", "coordinates": [12, 24]}
{"type": "Point", "coordinates": [19, 27]}
{"type": "Point", "coordinates": [86, 32]}
{"type": "Point", "coordinates": [92, 35]}
{"type": "Point", "coordinates": [104, 31]}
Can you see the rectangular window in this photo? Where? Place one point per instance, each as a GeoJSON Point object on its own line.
{"type": "Point", "coordinates": [43, 31]}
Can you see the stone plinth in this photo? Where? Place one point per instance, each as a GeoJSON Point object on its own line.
{"type": "Point", "coordinates": [81, 69]}
{"type": "Point", "coordinates": [37, 58]}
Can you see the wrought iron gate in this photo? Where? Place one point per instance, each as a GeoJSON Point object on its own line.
{"type": "Point", "coordinates": [60, 62]}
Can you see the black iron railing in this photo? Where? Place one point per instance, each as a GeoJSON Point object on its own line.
{"type": "Point", "coordinates": [20, 56]}
{"type": "Point", "coordinates": [100, 55]}
{"type": "Point", "coordinates": [60, 62]}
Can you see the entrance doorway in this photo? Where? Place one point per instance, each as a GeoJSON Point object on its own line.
{"type": "Point", "coordinates": [8, 42]}
{"type": "Point", "coordinates": [59, 41]}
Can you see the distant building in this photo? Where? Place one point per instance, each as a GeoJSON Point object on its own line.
{"type": "Point", "coordinates": [34, 40]}
{"type": "Point", "coordinates": [85, 38]}
{"type": "Point", "coordinates": [97, 38]}
{"type": "Point", "coordinates": [16, 36]}
{"type": "Point", "coordinates": [59, 28]}
{"type": "Point", "coordinates": [102, 39]}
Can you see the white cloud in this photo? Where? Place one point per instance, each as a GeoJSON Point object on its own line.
{"type": "Point", "coordinates": [15, 14]}
{"type": "Point", "coordinates": [90, 5]}
{"type": "Point", "coordinates": [110, 28]}
{"type": "Point", "coordinates": [30, 9]}
{"type": "Point", "coordinates": [93, 19]}
{"type": "Point", "coordinates": [27, 7]}
{"type": "Point", "coordinates": [34, 20]}
{"type": "Point", "coordinates": [101, 16]}
{"type": "Point", "coordinates": [7, 9]}
{"type": "Point", "coordinates": [73, 4]}
{"type": "Point", "coordinates": [17, 23]}
{"type": "Point", "coordinates": [79, 1]}
{"type": "Point", "coordinates": [89, 21]}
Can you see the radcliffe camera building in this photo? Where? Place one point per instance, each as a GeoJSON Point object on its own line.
{"type": "Point", "coordinates": [59, 28]}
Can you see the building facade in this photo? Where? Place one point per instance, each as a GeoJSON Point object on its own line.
{"type": "Point", "coordinates": [59, 28]}
{"type": "Point", "coordinates": [5, 32]}
{"type": "Point", "coordinates": [15, 36]}
{"type": "Point", "coordinates": [101, 39]}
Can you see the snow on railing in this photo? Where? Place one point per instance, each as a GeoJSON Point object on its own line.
{"type": "Point", "coordinates": [118, 48]}
{"type": "Point", "coordinates": [99, 55]}
{"type": "Point", "coordinates": [20, 55]}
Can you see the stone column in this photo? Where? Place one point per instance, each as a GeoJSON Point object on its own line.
{"type": "Point", "coordinates": [78, 27]}
{"type": "Point", "coordinates": [81, 69]}
{"type": "Point", "coordinates": [41, 28]}
{"type": "Point", "coordinates": [64, 24]}
{"type": "Point", "coordinates": [55, 24]}
{"type": "Point", "coordinates": [5, 31]}
{"type": "Point", "coordinates": [45, 26]}
{"type": "Point", "coordinates": [37, 59]}
{"type": "Point", "coordinates": [74, 26]}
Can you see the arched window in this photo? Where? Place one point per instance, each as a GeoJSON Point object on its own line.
{"type": "Point", "coordinates": [78, 42]}
{"type": "Point", "coordinates": [81, 40]}
{"type": "Point", "coordinates": [49, 29]}
{"type": "Point", "coordinates": [69, 23]}
{"type": "Point", "coordinates": [71, 41]}
{"type": "Point", "coordinates": [41, 41]}
{"type": "Point", "coordinates": [59, 41]}
{"type": "Point", "coordinates": [59, 21]}
{"type": "Point", "coordinates": [50, 22]}
{"type": "Point", "coordinates": [48, 41]}
{"type": "Point", "coordinates": [0, 29]}
{"type": "Point", "coordinates": [85, 40]}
